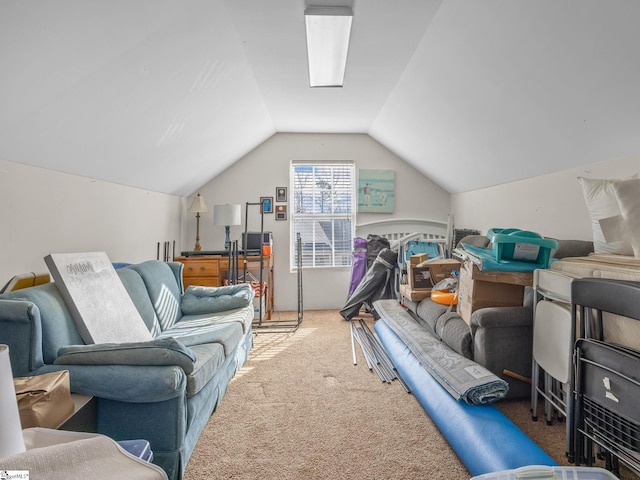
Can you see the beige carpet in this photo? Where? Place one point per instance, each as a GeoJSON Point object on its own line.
{"type": "Point", "coordinates": [300, 409]}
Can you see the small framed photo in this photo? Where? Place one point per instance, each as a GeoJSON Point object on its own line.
{"type": "Point", "coordinates": [281, 194]}
{"type": "Point", "coordinates": [281, 212]}
{"type": "Point", "coordinates": [267, 204]}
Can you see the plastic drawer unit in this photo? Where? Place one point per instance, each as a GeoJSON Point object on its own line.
{"type": "Point", "coordinates": [540, 472]}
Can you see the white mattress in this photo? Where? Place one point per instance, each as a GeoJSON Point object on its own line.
{"type": "Point", "coordinates": [599, 265]}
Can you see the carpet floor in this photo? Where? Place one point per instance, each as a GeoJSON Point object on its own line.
{"type": "Point", "coordinates": [301, 409]}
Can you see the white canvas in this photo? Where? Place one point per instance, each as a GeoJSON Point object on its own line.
{"type": "Point", "coordinates": [97, 299]}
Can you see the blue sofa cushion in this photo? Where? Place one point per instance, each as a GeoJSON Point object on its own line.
{"type": "Point", "coordinates": [163, 290]}
{"type": "Point", "coordinates": [135, 287]}
{"type": "Point", "coordinates": [243, 316]}
{"type": "Point", "coordinates": [166, 351]}
{"type": "Point", "coordinates": [198, 300]}
{"type": "Point", "coordinates": [229, 335]}
{"type": "Point", "coordinates": [210, 357]}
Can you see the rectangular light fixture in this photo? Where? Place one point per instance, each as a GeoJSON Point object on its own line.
{"type": "Point", "coordinates": [328, 32]}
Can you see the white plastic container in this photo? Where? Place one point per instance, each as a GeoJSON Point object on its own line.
{"type": "Point", "coordinates": [542, 472]}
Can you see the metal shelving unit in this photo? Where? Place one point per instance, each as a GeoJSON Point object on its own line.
{"type": "Point", "coordinates": [273, 325]}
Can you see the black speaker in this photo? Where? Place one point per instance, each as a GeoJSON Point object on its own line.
{"type": "Point", "coordinates": [251, 240]}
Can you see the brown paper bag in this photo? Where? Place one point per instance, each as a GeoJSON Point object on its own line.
{"type": "Point", "coordinates": [44, 400]}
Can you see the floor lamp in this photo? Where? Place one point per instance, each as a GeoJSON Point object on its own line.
{"type": "Point", "coordinates": [198, 206]}
{"type": "Point", "coordinates": [227, 215]}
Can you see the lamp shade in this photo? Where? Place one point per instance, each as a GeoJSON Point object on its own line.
{"type": "Point", "coordinates": [11, 440]}
{"type": "Point", "coordinates": [198, 205]}
{"type": "Point", "coordinates": [227, 215]}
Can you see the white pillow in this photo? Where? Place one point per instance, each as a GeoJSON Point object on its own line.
{"type": "Point", "coordinates": [628, 195]}
{"type": "Point", "coordinates": [603, 207]}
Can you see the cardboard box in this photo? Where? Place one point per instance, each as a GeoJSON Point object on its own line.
{"type": "Point", "coordinates": [414, 295]}
{"type": "Point", "coordinates": [417, 259]}
{"type": "Point", "coordinates": [419, 277]}
{"type": "Point", "coordinates": [496, 276]}
{"type": "Point", "coordinates": [481, 289]}
{"type": "Point", "coordinates": [441, 269]}
{"type": "Point", "coordinates": [431, 273]}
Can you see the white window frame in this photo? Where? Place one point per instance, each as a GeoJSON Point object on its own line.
{"type": "Point", "coordinates": [333, 258]}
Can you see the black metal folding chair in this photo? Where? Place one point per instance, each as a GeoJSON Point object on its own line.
{"type": "Point", "coordinates": [603, 406]}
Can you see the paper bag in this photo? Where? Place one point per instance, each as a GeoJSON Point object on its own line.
{"type": "Point", "coordinates": [44, 400]}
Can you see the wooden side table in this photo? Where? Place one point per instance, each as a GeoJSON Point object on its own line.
{"type": "Point", "coordinates": [204, 270]}
{"type": "Point", "coordinates": [83, 418]}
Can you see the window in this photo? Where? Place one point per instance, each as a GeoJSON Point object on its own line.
{"type": "Point", "coordinates": [322, 213]}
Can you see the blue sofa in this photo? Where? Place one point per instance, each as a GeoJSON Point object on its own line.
{"type": "Point", "coordinates": [163, 390]}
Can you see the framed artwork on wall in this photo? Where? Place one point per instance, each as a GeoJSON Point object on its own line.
{"type": "Point", "coordinates": [281, 194]}
{"type": "Point", "coordinates": [376, 191]}
{"type": "Point", "coordinates": [281, 212]}
{"type": "Point", "coordinates": [267, 204]}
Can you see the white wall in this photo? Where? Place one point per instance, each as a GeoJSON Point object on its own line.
{"type": "Point", "coordinates": [45, 212]}
{"type": "Point", "coordinates": [267, 167]}
{"type": "Point", "coordinates": [551, 205]}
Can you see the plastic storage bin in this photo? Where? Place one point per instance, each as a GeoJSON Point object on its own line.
{"type": "Point", "coordinates": [521, 245]}
{"type": "Point", "coordinates": [138, 448]}
{"type": "Point", "coordinates": [541, 472]}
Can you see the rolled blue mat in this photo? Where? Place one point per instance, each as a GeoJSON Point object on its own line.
{"type": "Point", "coordinates": [482, 437]}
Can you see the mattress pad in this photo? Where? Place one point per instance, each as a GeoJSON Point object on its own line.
{"type": "Point", "coordinates": [600, 265]}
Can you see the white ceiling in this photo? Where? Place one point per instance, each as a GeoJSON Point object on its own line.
{"type": "Point", "coordinates": [164, 95]}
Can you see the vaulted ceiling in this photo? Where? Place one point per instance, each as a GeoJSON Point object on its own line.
{"type": "Point", "coordinates": [164, 95]}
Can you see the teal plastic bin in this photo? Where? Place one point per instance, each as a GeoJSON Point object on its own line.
{"type": "Point", "coordinates": [521, 245]}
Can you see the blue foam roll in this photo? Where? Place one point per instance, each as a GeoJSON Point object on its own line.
{"type": "Point", "coordinates": [482, 437]}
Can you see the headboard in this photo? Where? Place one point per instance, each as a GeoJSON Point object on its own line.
{"type": "Point", "coordinates": [400, 230]}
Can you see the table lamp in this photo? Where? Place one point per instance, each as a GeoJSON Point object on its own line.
{"type": "Point", "coordinates": [227, 215]}
{"type": "Point", "coordinates": [198, 206]}
{"type": "Point", "coordinates": [11, 440]}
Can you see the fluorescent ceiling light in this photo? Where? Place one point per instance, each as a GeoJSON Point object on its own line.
{"type": "Point", "coordinates": [328, 31]}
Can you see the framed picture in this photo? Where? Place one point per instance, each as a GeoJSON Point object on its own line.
{"type": "Point", "coordinates": [281, 194]}
{"type": "Point", "coordinates": [281, 212]}
{"type": "Point", "coordinates": [376, 191]}
{"type": "Point", "coordinates": [267, 204]}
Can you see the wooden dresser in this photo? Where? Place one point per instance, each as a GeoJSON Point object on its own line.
{"type": "Point", "coordinates": [213, 270]}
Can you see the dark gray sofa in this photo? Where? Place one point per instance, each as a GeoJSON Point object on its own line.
{"type": "Point", "coordinates": [499, 338]}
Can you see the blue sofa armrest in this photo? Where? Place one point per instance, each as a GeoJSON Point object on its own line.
{"type": "Point", "coordinates": [21, 330]}
{"type": "Point", "coordinates": [125, 383]}
{"type": "Point", "coordinates": [165, 351]}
